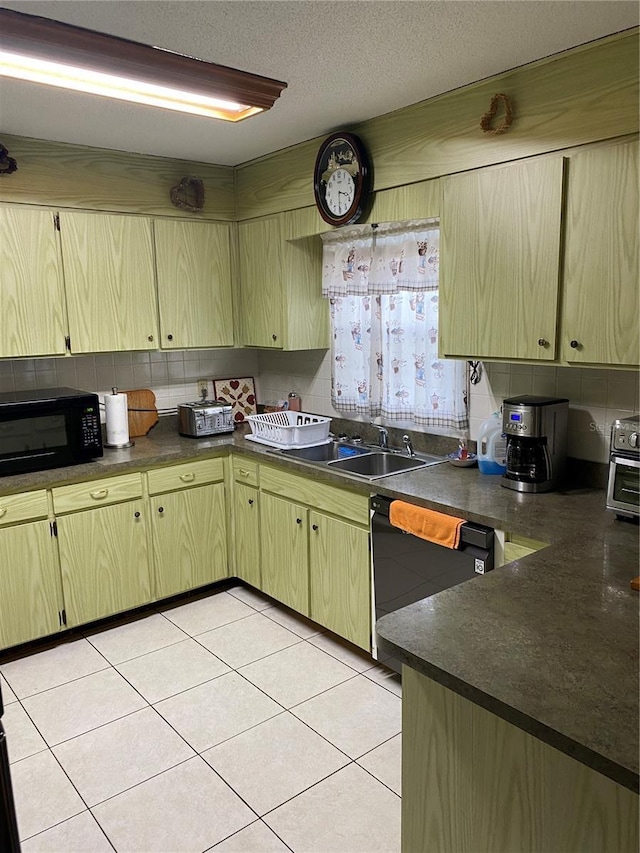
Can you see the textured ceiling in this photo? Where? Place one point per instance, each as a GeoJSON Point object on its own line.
{"type": "Point", "coordinates": [344, 61]}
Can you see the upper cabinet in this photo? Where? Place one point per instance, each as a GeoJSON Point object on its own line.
{"type": "Point", "coordinates": [194, 283]}
{"type": "Point", "coordinates": [500, 264]}
{"type": "Point", "coordinates": [109, 281]}
{"type": "Point", "coordinates": [281, 282]}
{"type": "Point", "coordinates": [31, 290]}
{"type": "Point", "coordinates": [530, 273]}
{"type": "Point", "coordinates": [600, 318]}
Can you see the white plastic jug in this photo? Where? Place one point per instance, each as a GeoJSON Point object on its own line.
{"type": "Point", "coordinates": [492, 446]}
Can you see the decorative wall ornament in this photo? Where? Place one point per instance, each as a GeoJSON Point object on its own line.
{"type": "Point", "coordinates": [7, 164]}
{"type": "Point", "coordinates": [487, 118]}
{"type": "Point", "coordinates": [188, 194]}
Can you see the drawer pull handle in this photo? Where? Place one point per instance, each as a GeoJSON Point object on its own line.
{"type": "Point", "coordinates": [99, 494]}
{"type": "Point", "coordinates": [250, 501]}
{"type": "Point", "coordinates": [314, 526]}
{"type": "Point", "coordinates": [136, 515]}
{"type": "Point", "coordinates": [3, 511]}
{"type": "Point", "coordinates": [298, 521]}
{"type": "Point", "coordinates": [160, 509]}
{"type": "Point", "coordinates": [188, 478]}
{"type": "Point", "coordinates": [243, 472]}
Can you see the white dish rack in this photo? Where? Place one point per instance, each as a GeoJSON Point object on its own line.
{"type": "Point", "coordinates": [289, 429]}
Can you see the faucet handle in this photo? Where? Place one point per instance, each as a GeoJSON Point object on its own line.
{"type": "Point", "coordinates": [409, 445]}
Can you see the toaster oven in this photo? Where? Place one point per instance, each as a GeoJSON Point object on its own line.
{"type": "Point", "coordinates": [623, 490]}
{"type": "Point", "coordinates": [205, 417]}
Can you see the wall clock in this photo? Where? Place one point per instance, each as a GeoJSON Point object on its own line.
{"type": "Point", "coordinates": [342, 179]}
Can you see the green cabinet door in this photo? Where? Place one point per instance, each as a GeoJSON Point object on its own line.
{"type": "Point", "coordinates": [29, 583]}
{"type": "Point", "coordinates": [285, 552]}
{"type": "Point", "coordinates": [601, 314]}
{"type": "Point", "coordinates": [247, 533]}
{"type": "Point", "coordinates": [340, 578]}
{"type": "Point", "coordinates": [189, 538]}
{"type": "Point", "coordinates": [500, 261]}
{"type": "Point", "coordinates": [109, 282]}
{"type": "Point", "coordinates": [104, 561]}
{"type": "Point", "coordinates": [194, 283]}
{"type": "Point", "coordinates": [261, 287]}
{"type": "Point", "coordinates": [31, 291]}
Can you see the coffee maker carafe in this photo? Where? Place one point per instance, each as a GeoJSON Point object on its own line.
{"type": "Point", "coordinates": [536, 430]}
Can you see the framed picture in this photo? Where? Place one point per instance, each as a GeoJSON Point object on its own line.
{"type": "Point", "coordinates": [241, 393]}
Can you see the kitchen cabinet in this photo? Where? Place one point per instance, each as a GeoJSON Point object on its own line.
{"type": "Point", "coordinates": [339, 568]}
{"type": "Point", "coordinates": [109, 282]}
{"type": "Point", "coordinates": [31, 286]}
{"type": "Point", "coordinates": [600, 315]}
{"type": "Point", "coordinates": [281, 302]}
{"type": "Point", "coordinates": [500, 261]}
{"type": "Point", "coordinates": [193, 266]}
{"type": "Point", "coordinates": [246, 519]}
{"type": "Point", "coordinates": [315, 551]}
{"type": "Point", "coordinates": [103, 550]}
{"type": "Point", "coordinates": [188, 525]}
{"type": "Point", "coordinates": [30, 595]}
{"type": "Point", "coordinates": [261, 282]}
{"type": "Point", "coordinates": [285, 551]}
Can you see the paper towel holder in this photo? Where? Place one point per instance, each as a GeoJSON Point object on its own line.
{"type": "Point", "coordinates": [124, 444]}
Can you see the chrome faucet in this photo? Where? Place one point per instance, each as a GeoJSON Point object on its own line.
{"type": "Point", "coordinates": [383, 437]}
{"type": "Point", "coordinates": [408, 445]}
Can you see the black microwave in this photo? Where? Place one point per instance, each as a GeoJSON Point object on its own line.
{"type": "Point", "coordinates": [48, 429]}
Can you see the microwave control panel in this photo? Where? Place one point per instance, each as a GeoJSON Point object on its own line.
{"type": "Point", "coordinates": [90, 427]}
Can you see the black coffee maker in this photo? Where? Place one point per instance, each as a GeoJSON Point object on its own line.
{"type": "Point", "coordinates": [536, 430]}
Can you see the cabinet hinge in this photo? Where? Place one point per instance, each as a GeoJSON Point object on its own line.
{"type": "Point", "coordinates": [62, 616]}
{"type": "Point", "coordinates": [56, 221]}
{"type": "Point", "coordinates": [67, 342]}
{"type": "Point", "coordinates": [53, 526]}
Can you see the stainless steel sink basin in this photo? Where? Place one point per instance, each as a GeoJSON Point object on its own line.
{"type": "Point", "coordinates": [326, 452]}
{"type": "Point", "coordinates": [373, 465]}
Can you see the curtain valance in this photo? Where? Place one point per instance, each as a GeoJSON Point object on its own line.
{"type": "Point", "coordinates": [381, 259]}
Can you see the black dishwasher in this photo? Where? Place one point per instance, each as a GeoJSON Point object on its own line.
{"type": "Point", "coordinates": [407, 569]}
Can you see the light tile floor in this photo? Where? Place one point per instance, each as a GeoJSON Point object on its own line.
{"type": "Point", "coordinates": [227, 723]}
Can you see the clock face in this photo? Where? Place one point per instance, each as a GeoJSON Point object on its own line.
{"type": "Point", "coordinates": [342, 179]}
{"type": "Point", "coordinates": [340, 192]}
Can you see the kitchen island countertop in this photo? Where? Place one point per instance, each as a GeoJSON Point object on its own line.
{"type": "Point", "coordinates": [549, 642]}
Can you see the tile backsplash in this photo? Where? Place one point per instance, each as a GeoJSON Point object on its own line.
{"type": "Point", "coordinates": [172, 376]}
{"type": "Point", "coordinates": [596, 396]}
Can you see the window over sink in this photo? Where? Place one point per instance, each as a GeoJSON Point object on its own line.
{"type": "Point", "coordinates": [382, 282]}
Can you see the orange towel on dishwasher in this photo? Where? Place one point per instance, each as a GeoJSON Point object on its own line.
{"type": "Point", "coordinates": [433, 526]}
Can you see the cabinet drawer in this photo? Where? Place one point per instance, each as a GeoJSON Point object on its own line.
{"type": "Point", "coordinates": [183, 476]}
{"type": "Point", "coordinates": [97, 493]}
{"type": "Point", "coordinates": [245, 471]}
{"type": "Point", "coordinates": [307, 490]}
{"type": "Point", "coordinates": [23, 507]}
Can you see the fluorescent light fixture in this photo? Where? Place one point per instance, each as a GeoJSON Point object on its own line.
{"type": "Point", "coordinates": [43, 51]}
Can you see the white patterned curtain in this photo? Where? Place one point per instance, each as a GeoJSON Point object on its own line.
{"type": "Point", "coordinates": [384, 318]}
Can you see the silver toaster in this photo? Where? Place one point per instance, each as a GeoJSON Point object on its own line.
{"type": "Point", "coordinates": [205, 417]}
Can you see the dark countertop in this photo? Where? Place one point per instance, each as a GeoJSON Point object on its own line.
{"type": "Point", "coordinates": [548, 642]}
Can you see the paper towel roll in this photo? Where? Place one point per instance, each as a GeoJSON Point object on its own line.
{"type": "Point", "coordinates": [117, 419]}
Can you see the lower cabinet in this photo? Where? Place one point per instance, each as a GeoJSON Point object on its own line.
{"type": "Point", "coordinates": [29, 583]}
{"type": "Point", "coordinates": [188, 525]}
{"type": "Point", "coordinates": [246, 514]}
{"type": "Point", "coordinates": [314, 562]}
{"type": "Point", "coordinates": [189, 538]}
{"type": "Point", "coordinates": [339, 572]}
{"type": "Point", "coordinates": [285, 552]}
{"type": "Point", "coordinates": [104, 561]}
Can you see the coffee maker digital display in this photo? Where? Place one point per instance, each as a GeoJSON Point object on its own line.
{"type": "Point", "coordinates": [536, 430]}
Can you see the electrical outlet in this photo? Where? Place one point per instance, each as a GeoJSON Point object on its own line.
{"type": "Point", "coordinates": [203, 388]}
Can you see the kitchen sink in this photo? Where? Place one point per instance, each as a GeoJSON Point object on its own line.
{"type": "Point", "coordinates": [362, 460]}
{"type": "Point", "coordinates": [375, 464]}
{"type": "Point", "coordinates": [330, 452]}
